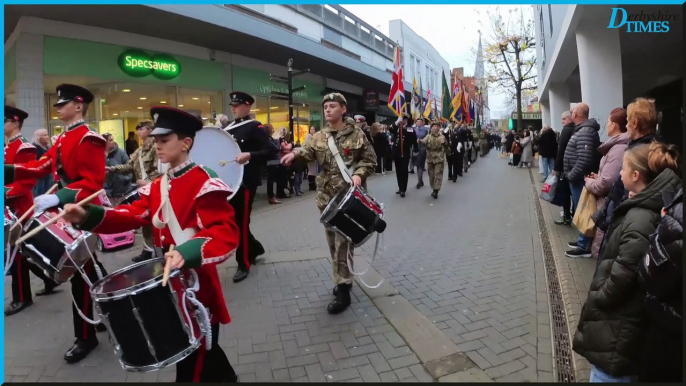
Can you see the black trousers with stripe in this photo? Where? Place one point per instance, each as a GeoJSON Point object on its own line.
{"type": "Point", "coordinates": [21, 281]}
{"type": "Point", "coordinates": [206, 366]}
{"type": "Point", "coordinates": [81, 292]}
{"type": "Point", "coordinates": [242, 207]}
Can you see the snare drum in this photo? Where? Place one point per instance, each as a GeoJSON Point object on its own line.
{"type": "Point", "coordinates": [354, 215]}
{"type": "Point", "coordinates": [59, 250]}
{"type": "Point", "coordinates": [149, 325]}
{"type": "Point", "coordinates": [130, 197]}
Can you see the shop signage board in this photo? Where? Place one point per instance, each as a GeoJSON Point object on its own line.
{"type": "Point", "coordinates": [527, 115]}
{"type": "Point", "coordinates": [256, 82]}
{"type": "Point", "coordinates": [371, 100]}
{"type": "Point", "coordinates": [138, 64]}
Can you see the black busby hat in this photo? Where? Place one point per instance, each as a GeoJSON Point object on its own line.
{"type": "Point", "coordinates": [172, 120]}
{"type": "Point", "coordinates": [72, 92]}
{"type": "Point", "coordinates": [241, 98]}
{"type": "Point", "coordinates": [14, 114]}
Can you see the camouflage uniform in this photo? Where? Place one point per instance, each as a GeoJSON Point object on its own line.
{"type": "Point", "coordinates": [436, 151]}
{"type": "Point", "coordinates": [148, 153]}
{"type": "Point", "coordinates": [354, 149]}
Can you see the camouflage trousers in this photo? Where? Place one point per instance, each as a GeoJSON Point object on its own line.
{"type": "Point", "coordinates": [340, 248]}
{"type": "Point", "coordinates": [435, 175]}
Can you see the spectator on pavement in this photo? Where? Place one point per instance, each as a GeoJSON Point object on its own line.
{"type": "Point", "coordinates": [641, 126]}
{"type": "Point", "coordinates": [313, 167]}
{"type": "Point", "coordinates": [380, 147]}
{"type": "Point", "coordinates": [509, 138]}
{"type": "Point", "coordinates": [662, 354]}
{"type": "Point", "coordinates": [580, 159]}
{"type": "Point", "coordinates": [612, 151]}
{"type": "Point", "coordinates": [526, 143]}
{"type": "Point", "coordinates": [612, 324]}
{"type": "Point", "coordinates": [131, 143]}
{"type": "Point", "coordinates": [274, 167]}
{"type": "Point", "coordinates": [116, 185]}
{"type": "Point", "coordinates": [563, 140]}
{"type": "Point", "coordinates": [41, 140]}
{"type": "Point", "coordinates": [547, 150]}
{"type": "Point", "coordinates": [516, 151]}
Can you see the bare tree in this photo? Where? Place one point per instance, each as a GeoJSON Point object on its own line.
{"type": "Point", "coordinates": [510, 54]}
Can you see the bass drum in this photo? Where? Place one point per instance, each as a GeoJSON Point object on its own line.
{"type": "Point", "coordinates": [217, 149]}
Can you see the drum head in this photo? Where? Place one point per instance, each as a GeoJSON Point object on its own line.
{"type": "Point", "coordinates": [212, 147]}
{"type": "Point", "coordinates": [133, 277]}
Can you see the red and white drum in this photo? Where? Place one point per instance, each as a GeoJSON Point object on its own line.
{"type": "Point", "coordinates": [59, 249]}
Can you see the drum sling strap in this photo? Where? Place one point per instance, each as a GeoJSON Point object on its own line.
{"type": "Point", "coordinates": [347, 172]}
{"type": "Point", "coordinates": [181, 236]}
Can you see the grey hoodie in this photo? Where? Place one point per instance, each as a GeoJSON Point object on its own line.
{"type": "Point", "coordinates": [582, 156]}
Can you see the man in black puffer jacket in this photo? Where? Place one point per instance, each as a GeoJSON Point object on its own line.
{"type": "Point", "coordinates": [563, 185]}
{"type": "Point", "coordinates": [661, 273]}
{"type": "Point", "coordinates": [581, 159]}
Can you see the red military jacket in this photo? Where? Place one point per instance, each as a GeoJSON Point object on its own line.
{"type": "Point", "coordinates": [18, 195]}
{"type": "Point", "coordinates": [199, 200]}
{"type": "Point", "coordinates": [77, 160]}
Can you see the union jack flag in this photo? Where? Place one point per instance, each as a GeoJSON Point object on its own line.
{"type": "Point", "coordinates": [396, 98]}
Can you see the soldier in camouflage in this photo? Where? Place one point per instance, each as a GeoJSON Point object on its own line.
{"type": "Point", "coordinates": [437, 148]}
{"type": "Point", "coordinates": [144, 165]}
{"type": "Point", "coordinates": [358, 154]}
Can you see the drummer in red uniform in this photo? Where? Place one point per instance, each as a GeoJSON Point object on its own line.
{"type": "Point", "coordinates": [205, 232]}
{"type": "Point", "coordinates": [19, 199]}
{"type": "Point", "coordinates": [77, 161]}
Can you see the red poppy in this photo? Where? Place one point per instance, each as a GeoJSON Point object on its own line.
{"type": "Point", "coordinates": [346, 151]}
{"type": "Point", "coordinates": [79, 99]}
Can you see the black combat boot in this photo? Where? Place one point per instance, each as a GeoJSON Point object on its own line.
{"type": "Point", "coordinates": [342, 300]}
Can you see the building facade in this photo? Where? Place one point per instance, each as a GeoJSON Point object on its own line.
{"type": "Point", "coordinates": [131, 60]}
{"type": "Point", "coordinates": [582, 59]}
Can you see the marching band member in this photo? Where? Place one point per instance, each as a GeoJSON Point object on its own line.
{"type": "Point", "coordinates": [143, 163]}
{"type": "Point", "coordinates": [205, 233]}
{"type": "Point", "coordinates": [436, 148]}
{"type": "Point", "coordinates": [404, 140]}
{"type": "Point", "coordinates": [19, 198]}
{"type": "Point", "coordinates": [358, 154]}
{"type": "Point", "coordinates": [256, 148]}
{"type": "Point", "coordinates": [77, 160]}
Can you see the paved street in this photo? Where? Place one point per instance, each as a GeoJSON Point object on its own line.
{"type": "Point", "coordinates": [470, 263]}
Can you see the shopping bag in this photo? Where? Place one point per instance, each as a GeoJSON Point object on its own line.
{"type": "Point", "coordinates": [549, 187]}
{"type": "Point", "coordinates": [563, 194]}
{"type": "Point", "coordinates": [583, 218]}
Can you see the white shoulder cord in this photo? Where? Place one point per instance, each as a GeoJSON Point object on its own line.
{"type": "Point", "coordinates": [11, 254]}
{"type": "Point", "coordinates": [189, 294]}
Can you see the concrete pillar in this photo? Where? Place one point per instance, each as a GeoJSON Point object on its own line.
{"type": "Point", "coordinates": [30, 92]}
{"type": "Point", "coordinates": [558, 95]}
{"type": "Point", "coordinates": [600, 70]}
{"type": "Point", "coordinates": [545, 113]}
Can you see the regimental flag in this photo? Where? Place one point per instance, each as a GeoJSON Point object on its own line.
{"type": "Point", "coordinates": [446, 106]}
{"type": "Point", "coordinates": [456, 102]}
{"type": "Point", "coordinates": [435, 114]}
{"type": "Point", "coordinates": [465, 106]}
{"type": "Point", "coordinates": [472, 112]}
{"type": "Point", "coordinates": [428, 113]}
{"type": "Point", "coordinates": [396, 98]}
{"type": "Point", "coordinates": [416, 105]}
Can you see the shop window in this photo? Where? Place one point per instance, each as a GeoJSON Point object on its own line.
{"type": "Point", "coordinates": [278, 115]}
{"type": "Point", "coordinates": [261, 109]}
{"type": "Point", "coordinates": [201, 103]}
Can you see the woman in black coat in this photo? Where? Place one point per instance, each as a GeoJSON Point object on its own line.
{"type": "Point", "coordinates": [661, 273]}
{"type": "Point", "coordinates": [547, 149]}
{"type": "Point", "coordinates": [613, 321]}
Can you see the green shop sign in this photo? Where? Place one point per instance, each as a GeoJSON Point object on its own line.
{"type": "Point", "coordinates": [138, 64]}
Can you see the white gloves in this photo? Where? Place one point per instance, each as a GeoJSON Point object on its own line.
{"type": "Point", "coordinates": [45, 201]}
{"type": "Point", "coordinates": [400, 119]}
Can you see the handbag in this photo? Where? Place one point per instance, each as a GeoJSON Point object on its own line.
{"type": "Point", "coordinates": [563, 193]}
{"type": "Point", "coordinates": [549, 187]}
{"type": "Point", "coordinates": [583, 217]}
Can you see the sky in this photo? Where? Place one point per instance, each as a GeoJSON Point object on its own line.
{"type": "Point", "coordinates": [451, 29]}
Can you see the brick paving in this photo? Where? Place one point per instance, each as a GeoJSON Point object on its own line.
{"type": "Point", "coordinates": [470, 262]}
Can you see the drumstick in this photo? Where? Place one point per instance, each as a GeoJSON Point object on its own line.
{"type": "Point", "coordinates": [26, 214]}
{"type": "Point", "coordinates": [167, 268]}
{"type": "Point", "coordinates": [224, 163]}
{"type": "Point", "coordinates": [59, 216]}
